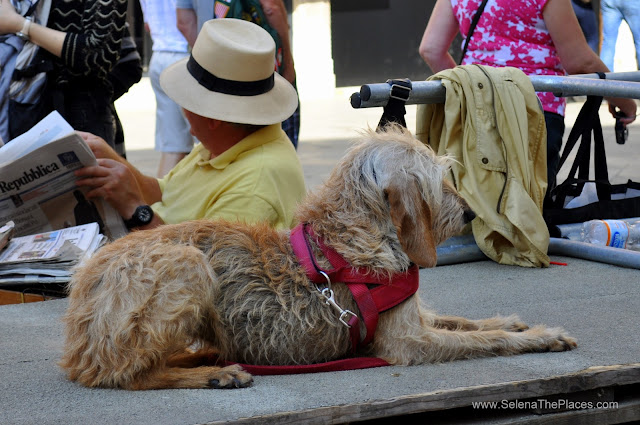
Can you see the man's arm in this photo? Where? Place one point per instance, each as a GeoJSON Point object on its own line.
{"type": "Point", "coordinates": [440, 32]}
{"type": "Point", "coordinates": [575, 54]}
{"type": "Point", "coordinates": [117, 181]}
{"type": "Point", "coordinates": [276, 14]}
{"type": "Point", "coordinates": [187, 22]}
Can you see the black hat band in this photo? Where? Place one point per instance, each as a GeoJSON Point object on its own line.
{"type": "Point", "coordinates": [221, 85]}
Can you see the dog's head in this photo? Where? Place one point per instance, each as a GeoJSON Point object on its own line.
{"type": "Point", "coordinates": [391, 183]}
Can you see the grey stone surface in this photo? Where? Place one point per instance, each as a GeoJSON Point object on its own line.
{"type": "Point", "coordinates": [595, 303]}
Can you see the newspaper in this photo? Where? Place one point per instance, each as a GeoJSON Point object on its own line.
{"type": "Point", "coordinates": [52, 253]}
{"type": "Point", "coordinates": [6, 232]}
{"type": "Point", "coordinates": [37, 184]}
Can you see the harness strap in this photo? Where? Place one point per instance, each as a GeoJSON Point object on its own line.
{"type": "Point", "coordinates": [352, 363]}
{"type": "Point", "coordinates": [302, 249]}
{"type": "Point", "coordinates": [368, 309]}
{"type": "Point", "coordinates": [341, 272]}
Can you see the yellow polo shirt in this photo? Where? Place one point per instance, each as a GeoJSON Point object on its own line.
{"type": "Point", "coordinates": [259, 179]}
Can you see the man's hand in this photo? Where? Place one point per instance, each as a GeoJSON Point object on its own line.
{"type": "Point", "coordinates": [628, 108]}
{"type": "Point", "coordinates": [99, 147]}
{"type": "Point", "coordinates": [114, 182]}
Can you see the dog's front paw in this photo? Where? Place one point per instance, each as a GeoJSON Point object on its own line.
{"type": "Point", "coordinates": [230, 377]}
{"type": "Point", "coordinates": [563, 343]}
{"type": "Point", "coordinates": [554, 339]}
{"type": "Point", "coordinates": [514, 324]}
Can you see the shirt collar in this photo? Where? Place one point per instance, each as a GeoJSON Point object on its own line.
{"type": "Point", "coordinates": [252, 141]}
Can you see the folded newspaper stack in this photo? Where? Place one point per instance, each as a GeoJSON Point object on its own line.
{"type": "Point", "coordinates": [6, 232]}
{"type": "Point", "coordinates": [50, 254]}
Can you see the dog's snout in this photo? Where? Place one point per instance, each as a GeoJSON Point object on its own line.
{"type": "Point", "coordinates": [468, 216]}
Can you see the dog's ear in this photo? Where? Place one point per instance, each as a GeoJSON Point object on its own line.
{"type": "Point", "coordinates": [414, 230]}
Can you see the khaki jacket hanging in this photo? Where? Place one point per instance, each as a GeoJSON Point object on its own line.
{"type": "Point", "coordinates": [493, 125]}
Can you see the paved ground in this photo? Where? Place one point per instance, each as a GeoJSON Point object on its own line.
{"type": "Point", "coordinates": [596, 303]}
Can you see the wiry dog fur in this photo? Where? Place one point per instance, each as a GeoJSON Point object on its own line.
{"type": "Point", "coordinates": [141, 302]}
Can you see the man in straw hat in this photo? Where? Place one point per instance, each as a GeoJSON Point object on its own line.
{"type": "Point", "coordinates": [245, 167]}
{"type": "Point", "coordinates": [192, 14]}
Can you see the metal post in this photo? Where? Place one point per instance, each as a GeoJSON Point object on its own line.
{"type": "Point", "coordinates": [624, 84]}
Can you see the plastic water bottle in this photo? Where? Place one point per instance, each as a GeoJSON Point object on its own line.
{"type": "Point", "coordinates": [614, 233]}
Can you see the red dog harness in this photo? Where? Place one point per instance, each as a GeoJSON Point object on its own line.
{"type": "Point", "coordinates": [372, 294]}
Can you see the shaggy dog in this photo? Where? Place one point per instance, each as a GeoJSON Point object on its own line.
{"type": "Point", "coordinates": [141, 303]}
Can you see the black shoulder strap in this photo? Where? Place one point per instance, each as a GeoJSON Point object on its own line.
{"type": "Point", "coordinates": [472, 28]}
{"type": "Point", "coordinates": [588, 124]}
{"type": "Point", "coordinates": [31, 9]}
{"type": "Point", "coordinates": [394, 110]}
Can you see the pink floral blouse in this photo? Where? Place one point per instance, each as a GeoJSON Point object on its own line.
{"type": "Point", "coordinates": [512, 33]}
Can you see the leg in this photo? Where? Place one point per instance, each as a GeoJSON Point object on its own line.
{"type": "Point", "coordinates": [291, 126]}
{"type": "Point", "coordinates": [611, 19]}
{"type": "Point", "coordinates": [172, 132]}
{"type": "Point", "coordinates": [588, 24]}
{"type": "Point", "coordinates": [190, 358]}
{"type": "Point", "coordinates": [401, 343]}
{"type": "Point", "coordinates": [453, 323]}
{"type": "Point", "coordinates": [632, 16]}
{"type": "Point", "coordinates": [200, 377]}
{"type": "Point", "coordinates": [129, 311]}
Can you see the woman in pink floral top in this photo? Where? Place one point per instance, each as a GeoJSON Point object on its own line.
{"type": "Point", "coordinates": [540, 37]}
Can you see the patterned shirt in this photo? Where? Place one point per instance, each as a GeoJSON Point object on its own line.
{"type": "Point", "coordinates": [512, 33]}
{"type": "Point", "coordinates": [92, 45]}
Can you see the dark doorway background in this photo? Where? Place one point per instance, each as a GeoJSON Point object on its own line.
{"type": "Point", "coordinates": [374, 40]}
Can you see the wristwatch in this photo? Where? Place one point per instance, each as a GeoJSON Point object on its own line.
{"type": "Point", "coordinates": [24, 32]}
{"type": "Point", "coordinates": [141, 217]}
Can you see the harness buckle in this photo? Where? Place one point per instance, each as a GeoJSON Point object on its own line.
{"type": "Point", "coordinates": [346, 313]}
{"type": "Point", "coordinates": [329, 296]}
{"type": "Point", "coordinates": [399, 92]}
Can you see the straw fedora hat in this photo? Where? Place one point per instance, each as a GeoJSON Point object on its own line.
{"type": "Point", "coordinates": [230, 76]}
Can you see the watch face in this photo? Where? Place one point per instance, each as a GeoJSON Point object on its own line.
{"type": "Point", "coordinates": [144, 214]}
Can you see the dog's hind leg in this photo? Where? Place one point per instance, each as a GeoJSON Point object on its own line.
{"type": "Point", "coordinates": [148, 303]}
{"type": "Point", "coordinates": [404, 337]}
{"type": "Point", "coordinates": [454, 323]}
{"type": "Point", "coordinates": [190, 358]}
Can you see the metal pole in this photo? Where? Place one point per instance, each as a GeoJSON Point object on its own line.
{"type": "Point", "coordinates": [625, 84]}
{"type": "Point", "coordinates": [463, 249]}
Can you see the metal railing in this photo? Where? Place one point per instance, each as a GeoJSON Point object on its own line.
{"type": "Point", "coordinates": [616, 84]}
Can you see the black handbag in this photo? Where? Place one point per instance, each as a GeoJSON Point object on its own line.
{"type": "Point", "coordinates": [23, 115]}
{"type": "Point", "coordinates": [614, 201]}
